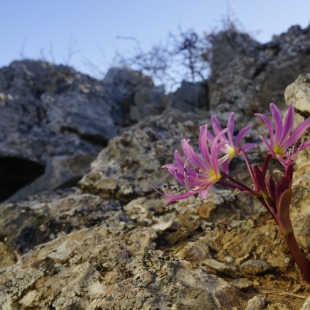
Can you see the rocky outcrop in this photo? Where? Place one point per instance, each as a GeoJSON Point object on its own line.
{"type": "Point", "coordinates": [111, 242]}
{"type": "Point", "coordinates": [247, 75]}
{"type": "Point", "coordinates": [128, 167]}
{"type": "Point", "coordinates": [190, 97]}
{"type": "Point", "coordinates": [120, 247]}
{"type": "Point", "coordinates": [54, 121]}
{"type": "Point", "coordinates": [134, 93]}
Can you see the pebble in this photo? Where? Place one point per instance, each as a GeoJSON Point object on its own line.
{"type": "Point", "coordinates": [256, 303]}
{"type": "Point", "coordinates": [242, 284]}
{"type": "Point", "coordinates": [229, 259]}
{"type": "Point", "coordinates": [255, 267]}
{"type": "Point", "coordinates": [215, 265]}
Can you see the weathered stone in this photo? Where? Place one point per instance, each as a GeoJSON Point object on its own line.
{"type": "Point", "coordinates": [298, 94]}
{"type": "Point", "coordinates": [127, 78]}
{"type": "Point", "coordinates": [190, 97]}
{"type": "Point", "coordinates": [134, 158]}
{"type": "Point", "coordinates": [49, 111]}
{"type": "Point", "coordinates": [256, 303]}
{"type": "Point", "coordinates": [247, 75]}
{"type": "Point", "coordinates": [254, 266]}
{"type": "Point", "coordinates": [26, 224]}
{"type": "Point", "coordinates": [242, 284]}
{"type": "Point", "coordinates": [114, 265]}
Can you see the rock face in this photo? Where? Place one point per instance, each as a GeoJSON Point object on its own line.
{"type": "Point", "coordinates": [54, 121]}
{"type": "Point", "coordinates": [131, 163]}
{"type": "Point", "coordinates": [109, 241]}
{"type": "Point", "coordinates": [191, 97]}
{"type": "Point", "coordinates": [115, 247]}
{"type": "Point", "coordinates": [248, 75]}
{"type": "Point", "coordinates": [134, 93]}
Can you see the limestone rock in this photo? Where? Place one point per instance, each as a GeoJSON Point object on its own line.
{"type": "Point", "coordinates": [298, 94]}
{"type": "Point", "coordinates": [190, 97]}
{"type": "Point", "coordinates": [49, 111]}
{"type": "Point", "coordinates": [115, 265]}
{"type": "Point", "coordinates": [247, 75]}
{"type": "Point", "coordinates": [130, 165]}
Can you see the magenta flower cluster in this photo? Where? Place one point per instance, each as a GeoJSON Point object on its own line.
{"type": "Point", "coordinates": [199, 172]}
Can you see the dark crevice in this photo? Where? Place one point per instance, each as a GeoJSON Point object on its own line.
{"type": "Point", "coordinates": [16, 173]}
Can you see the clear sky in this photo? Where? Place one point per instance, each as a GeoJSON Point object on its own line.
{"type": "Point", "coordinates": [38, 28]}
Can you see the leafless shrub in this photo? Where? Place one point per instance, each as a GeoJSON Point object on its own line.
{"type": "Point", "coordinates": [185, 55]}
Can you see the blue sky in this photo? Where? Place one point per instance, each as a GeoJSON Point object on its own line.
{"type": "Point", "coordinates": [36, 29]}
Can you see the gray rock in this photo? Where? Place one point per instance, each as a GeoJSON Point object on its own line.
{"type": "Point", "coordinates": [126, 87]}
{"type": "Point", "coordinates": [256, 303]}
{"type": "Point", "coordinates": [254, 266]}
{"type": "Point", "coordinates": [25, 224]}
{"type": "Point", "coordinates": [190, 97]}
{"type": "Point", "coordinates": [127, 78]}
{"type": "Point", "coordinates": [48, 111]}
{"type": "Point", "coordinates": [114, 263]}
{"type": "Point", "coordinates": [60, 172]}
{"type": "Point", "coordinates": [147, 102]}
{"type": "Point", "coordinates": [247, 75]}
{"type": "Point", "coordinates": [298, 94]}
{"type": "Point", "coordinates": [132, 162]}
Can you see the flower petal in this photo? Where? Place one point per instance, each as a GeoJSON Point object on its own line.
{"type": "Point", "coordinates": [191, 155]}
{"type": "Point", "coordinates": [241, 134]}
{"type": "Point", "coordinates": [180, 196]}
{"type": "Point", "coordinates": [269, 125]}
{"type": "Point", "coordinates": [297, 133]}
{"type": "Point", "coordinates": [288, 123]}
{"type": "Point", "coordinates": [276, 114]}
{"type": "Point", "coordinates": [230, 127]}
{"type": "Point", "coordinates": [215, 125]}
{"type": "Point", "coordinates": [203, 144]}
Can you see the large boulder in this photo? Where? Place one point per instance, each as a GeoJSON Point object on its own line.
{"type": "Point", "coordinates": [54, 121]}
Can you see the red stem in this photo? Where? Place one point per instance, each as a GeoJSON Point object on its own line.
{"type": "Point", "coordinates": [298, 256]}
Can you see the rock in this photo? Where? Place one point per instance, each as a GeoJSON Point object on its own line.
{"type": "Point", "coordinates": [298, 94]}
{"type": "Point", "coordinates": [254, 266]}
{"type": "Point", "coordinates": [242, 284]}
{"type": "Point", "coordinates": [114, 263]}
{"type": "Point", "coordinates": [247, 75]}
{"type": "Point", "coordinates": [215, 265]}
{"type": "Point", "coordinates": [52, 114]}
{"type": "Point", "coordinates": [60, 172]}
{"type": "Point", "coordinates": [49, 111]}
{"type": "Point", "coordinates": [306, 305]}
{"type": "Point", "coordinates": [147, 102]}
{"type": "Point", "coordinates": [26, 224]}
{"type": "Point", "coordinates": [190, 97]}
{"type": "Point", "coordinates": [127, 78]}
{"type": "Point", "coordinates": [256, 303]}
{"type": "Point", "coordinates": [126, 87]}
{"type": "Point", "coordinates": [147, 146]}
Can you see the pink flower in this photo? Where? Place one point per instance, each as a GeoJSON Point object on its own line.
{"type": "Point", "coordinates": [283, 142]}
{"type": "Point", "coordinates": [231, 148]}
{"type": "Point", "coordinates": [196, 173]}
